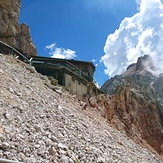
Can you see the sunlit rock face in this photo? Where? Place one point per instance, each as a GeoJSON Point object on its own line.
{"type": "Point", "coordinates": [11, 32]}
{"type": "Point", "coordinates": [137, 99]}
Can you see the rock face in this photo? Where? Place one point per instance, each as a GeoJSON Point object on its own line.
{"type": "Point", "coordinates": [11, 32]}
{"type": "Point", "coordinates": [43, 123]}
{"type": "Point", "coordinates": [136, 101]}
{"type": "Point", "coordinates": [144, 63]}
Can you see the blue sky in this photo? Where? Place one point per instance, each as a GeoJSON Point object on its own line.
{"type": "Point", "coordinates": [82, 30]}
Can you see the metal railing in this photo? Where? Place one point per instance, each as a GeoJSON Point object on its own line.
{"type": "Point", "coordinates": [49, 61]}
{"type": "Point", "coordinates": [8, 161]}
{"type": "Point", "coordinates": [62, 64]}
{"type": "Point", "coordinates": [13, 50]}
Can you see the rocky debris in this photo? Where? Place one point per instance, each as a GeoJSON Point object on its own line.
{"type": "Point", "coordinates": [41, 125]}
{"type": "Point", "coordinates": [4, 145]}
{"type": "Point", "coordinates": [136, 104]}
{"type": "Point", "coordinates": [11, 32]}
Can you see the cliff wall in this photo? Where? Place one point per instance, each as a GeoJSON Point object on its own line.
{"type": "Point", "coordinates": [11, 32]}
{"type": "Point", "coordinates": [134, 104]}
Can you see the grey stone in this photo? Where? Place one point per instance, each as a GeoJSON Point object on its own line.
{"type": "Point", "coordinates": [52, 151]}
{"type": "Point", "coordinates": [18, 93]}
{"type": "Point", "coordinates": [64, 159]}
{"type": "Point", "coordinates": [38, 128]}
{"type": "Point", "coordinates": [54, 139]}
{"type": "Point", "coordinates": [11, 90]}
{"type": "Point", "coordinates": [4, 145]}
{"type": "Point", "coordinates": [54, 128]}
{"type": "Point", "coordinates": [7, 116]}
{"type": "Point", "coordinates": [1, 71]}
{"type": "Point", "coordinates": [62, 146]}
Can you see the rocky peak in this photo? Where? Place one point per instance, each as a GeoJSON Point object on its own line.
{"type": "Point", "coordinates": [11, 32]}
{"type": "Point", "coordinates": [144, 63]}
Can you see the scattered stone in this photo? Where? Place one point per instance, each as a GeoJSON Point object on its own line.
{"type": "Point", "coordinates": [52, 151]}
{"type": "Point", "coordinates": [1, 71]}
{"type": "Point", "coordinates": [92, 102]}
{"type": "Point", "coordinates": [7, 116]}
{"type": "Point", "coordinates": [21, 108]}
{"type": "Point", "coordinates": [54, 139]}
{"type": "Point", "coordinates": [38, 128]}
{"type": "Point", "coordinates": [31, 68]}
{"type": "Point", "coordinates": [62, 146]}
{"type": "Point", "coordinates": [18, 93]}
{"type": "Point", "coordinates": [7, 129]}
{"type": "Point", "coordinates": [1, 136]}
{"type": "Point", "coordinates": [49, 127]}
{"type": "Point", "coordinates": [59, 91]}
{"type": "Point", "coordinates": [4, 145]}
{"type": "Point", "coordinates": [11, 90]}
{"type": "Point", "coordinates": [64, 159]}
{"type": "Point", "coordinates": [101, 160]}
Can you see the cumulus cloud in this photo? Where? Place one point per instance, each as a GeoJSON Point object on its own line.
{"type": "Point", "coordinates": [136, 36]}
{"type": "Point", "coordinates": [62, 53]}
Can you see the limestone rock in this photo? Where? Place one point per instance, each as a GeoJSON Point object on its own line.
{"type": "Point", "coordinates": [4, 145]}
{"type": "Point", "coordinates": [144, 62]}
{"type": "Point", "coordinates": [62, 146]}
{"type": "Point", "coordinates": [11, 32]}
{"type": "Point", "coordinates": [92, 102]}
{"type": "Point", "coordinates": [137, 102]}
{"type": "Point", "coordinates": [47, 126]}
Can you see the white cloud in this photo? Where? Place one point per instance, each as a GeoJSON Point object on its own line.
{"type": "Point", "coordinates": [93, 60]}
{"type": "Point", "coordinates": [60, 52]}
{"type": "Point", "coordinates": [50, 47]}
{"type": "Point", "coordinates": [138, 35]}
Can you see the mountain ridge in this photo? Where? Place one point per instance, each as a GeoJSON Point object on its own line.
{"type": "Point", "coordinates": [142, 109]}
